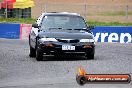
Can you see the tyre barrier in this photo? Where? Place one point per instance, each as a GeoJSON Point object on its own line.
{"type": "Point", "coordinates": [120, 34]}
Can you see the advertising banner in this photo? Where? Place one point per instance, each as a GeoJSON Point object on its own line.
{"type": "Point", "coordinates": [121, 34]}
{"type": "Point", "coordinates": [10, 31]}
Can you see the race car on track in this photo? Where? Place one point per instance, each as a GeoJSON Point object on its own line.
{"type": "Point", "coordinates": [59, 33]}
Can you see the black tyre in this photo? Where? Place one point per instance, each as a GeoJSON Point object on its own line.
{"type": "Point", "coordinates": [32, 52]}
{"type": "Point", "coordinates": [90, 56]}
{"type": "Point", "coordinates": [39, 55]}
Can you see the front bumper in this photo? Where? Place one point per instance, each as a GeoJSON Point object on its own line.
{"type": "Point", "coordinates": [53, 48]}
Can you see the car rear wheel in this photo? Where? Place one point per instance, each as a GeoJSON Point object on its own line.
{"type": "Point", "coordinates": [90, 56]}
{"type": "Point", "coordinates": [32, 52]}
{"type": "Point", "coordinates": [39, 55]}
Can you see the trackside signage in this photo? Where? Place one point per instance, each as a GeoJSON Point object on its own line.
{"type": "Point", "coordinates": [9, 30]}
{"type": "Point", "coordinates": [121, 34]}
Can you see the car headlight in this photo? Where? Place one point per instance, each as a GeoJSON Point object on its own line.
{"type": "Point", "coordinates": [87, 40]}
{"type": "Point", "coordinates": [49, 39]}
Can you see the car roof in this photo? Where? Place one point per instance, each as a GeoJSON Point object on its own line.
{"type": "Point", "coordinates": [61, 13]}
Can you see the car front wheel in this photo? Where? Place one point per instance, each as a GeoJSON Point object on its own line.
{"type": "Point", "coordinates": [32, 52]}
{"type": "Point", "coordinates": [39, 55]}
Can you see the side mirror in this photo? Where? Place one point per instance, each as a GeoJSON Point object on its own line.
{"type": "Point", "coordinates": [35, 25]}
{"type": "Point", "coordinates": [91, 27]}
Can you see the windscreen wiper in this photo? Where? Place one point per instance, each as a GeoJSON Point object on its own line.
{"type": "Point", "coordinates": [54, 28]}
{"type": "Point", "coordinates": [68, 29]}
{"type": "Point", "coordinates": [80, 29]}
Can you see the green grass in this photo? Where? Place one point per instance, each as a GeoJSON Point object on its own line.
{"type": "Point", "coordinates": [96, 23]}
{"type": "Point", "coordinates": [18, 20]}
{"type": "Point", "coordinates": [91, 22]}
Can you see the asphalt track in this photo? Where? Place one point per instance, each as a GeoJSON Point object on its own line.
{"type": "Point", "coordinates": [18, 70]}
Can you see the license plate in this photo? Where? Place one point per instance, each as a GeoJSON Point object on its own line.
{"type": "Point", "coordinates": [68, 47]}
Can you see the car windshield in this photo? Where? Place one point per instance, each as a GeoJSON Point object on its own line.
{"type": "Point", "coordinates": [63, 22]}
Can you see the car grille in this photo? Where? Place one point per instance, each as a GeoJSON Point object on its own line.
{"type": "Point", "coordinates": [68, 41]}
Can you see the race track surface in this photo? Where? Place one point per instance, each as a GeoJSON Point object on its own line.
{"type": "Point", "coordinates": [18, 70]}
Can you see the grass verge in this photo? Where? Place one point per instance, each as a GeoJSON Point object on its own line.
{"type": "Point", "coordinates": [30, 21]}
{"type": "Point", "coordinates": [17, 20]}
{"type": "Point", "coordinates": [96, 23]}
